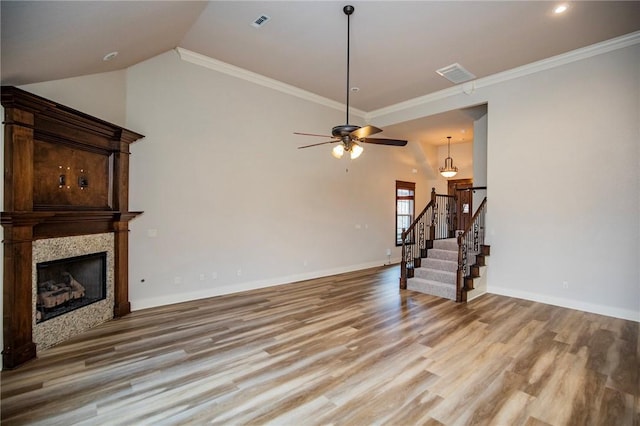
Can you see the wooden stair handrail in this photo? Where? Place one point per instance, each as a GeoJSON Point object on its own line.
{"type": "Point", "coordinates": [473, 219]}
{"type": "Point", "coordinates": [473, 188]}
{"type": "Point", "coordinates": [416, 220]}
{"type": "Point", "coordinates": [405, 234]}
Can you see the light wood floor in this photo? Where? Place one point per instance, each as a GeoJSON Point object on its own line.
{"type": "Point", "coordinates": [351, 349]}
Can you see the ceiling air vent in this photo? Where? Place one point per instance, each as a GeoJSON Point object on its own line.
{"type": "Point", "coordinates": [260, 21]}
{"type": "Point", "coordinates": [456, 73]}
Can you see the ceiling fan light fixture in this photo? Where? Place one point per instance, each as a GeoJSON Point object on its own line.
{"type": "Point", "coordinates": [338, 151]}
{"type": "Point", "coordinates": [356, 150]}
{"type": "Point", "coordinates": [560, 9]}
{"type": "Point", "coordinates": [348, 134]}
{"type": "Point", "coordinates": [449, 170]}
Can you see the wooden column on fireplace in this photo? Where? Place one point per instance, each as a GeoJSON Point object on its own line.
{"type": "Point", "coordinates": [66, 173]}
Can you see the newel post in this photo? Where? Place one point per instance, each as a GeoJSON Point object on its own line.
{"type": "Point", "coordinates": [460, 293]}
{"type": "Point", "coordinates": [432, 228]}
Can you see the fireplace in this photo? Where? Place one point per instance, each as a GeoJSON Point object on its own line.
{"type": "Point", "coordinates": [65, 285]}
{"type": "Point", "coordinates": [66, 195]}
{"type": "Point", "coordinates": [56, 252]}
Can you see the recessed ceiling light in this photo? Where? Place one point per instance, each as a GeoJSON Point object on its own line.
{"type": "Point", "coordinates": [109, 56]}
{"type": "Point", "coordinates": [560, 9]}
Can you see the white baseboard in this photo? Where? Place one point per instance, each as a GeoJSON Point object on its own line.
{"type": "Point", "coordinates": [567, 303]}
{"type": "Point", "coordinates": [169, 299]}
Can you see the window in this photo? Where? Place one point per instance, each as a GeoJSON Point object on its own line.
{"type": "Point", "coordinates": [405, 208]}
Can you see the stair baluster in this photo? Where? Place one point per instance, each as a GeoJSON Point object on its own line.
{"type": "Point", "coordinates": [470, 243]}
{"type": "Point", "coordinates": [412, 249]}
{"type": "Point", "coordinates": [444, 216]}
{"type": "Point", "coordinates": [434, 222]}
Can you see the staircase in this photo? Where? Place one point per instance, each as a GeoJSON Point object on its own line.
{"type": "Point", "coordinates": [432, 263]}
{"type": "Point", "coordinates": [438, 272]}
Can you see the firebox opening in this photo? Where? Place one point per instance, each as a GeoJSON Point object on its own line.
{"type": "Point", "coordinates": [68, 284]}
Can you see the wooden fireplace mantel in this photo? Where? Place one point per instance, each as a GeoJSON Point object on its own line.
{"type": "Point", "coordinates": [66, 173]}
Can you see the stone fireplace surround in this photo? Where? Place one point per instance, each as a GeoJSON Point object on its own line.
{"type": "Point", "coordinates": [70, 324]}
{"type": "Point", "coordinates": [66, 187]}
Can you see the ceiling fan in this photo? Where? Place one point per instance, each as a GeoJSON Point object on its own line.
{"type": "Point", "coordinates": [349, 136]}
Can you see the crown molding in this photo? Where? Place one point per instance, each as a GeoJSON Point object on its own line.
{"type": "Point", "coordinates": [532, 68]}
{"type": "Point", "coordinates": [468, 87]}
{"type": "Point", "coordinates": [234, 71]}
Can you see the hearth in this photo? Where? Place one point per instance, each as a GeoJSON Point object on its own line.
{"type": "Point", "coordinates": [65, 285]}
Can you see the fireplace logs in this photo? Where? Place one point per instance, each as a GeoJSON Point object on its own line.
{"type": "Point", "coordinates": [52, 294]}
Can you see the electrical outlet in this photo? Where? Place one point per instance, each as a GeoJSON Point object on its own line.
{"type": "Point", "coordinates": [177, 280]}
{"type": "Point", "coordinates": [201, 277]}
{"type": "Point", "coordinates": [565, 284]}
{"type": "Point", "coordinates": [239, 272]}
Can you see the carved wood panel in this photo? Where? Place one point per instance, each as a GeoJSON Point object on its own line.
{"type": "Point", "coordinates": [66, 177]}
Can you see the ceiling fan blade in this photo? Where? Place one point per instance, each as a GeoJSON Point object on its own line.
{"type": "Point", "coordinates": [365, 131]}
{"type": "Point", "coordinates": [381, 141]}
{"type": "Point", "coordinates": [310, 134]}
{"type": "Point", "coordinates": [316, 144]}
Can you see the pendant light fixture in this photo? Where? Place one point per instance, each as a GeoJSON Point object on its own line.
{"type": "Point", "coordinates": [449, 170]}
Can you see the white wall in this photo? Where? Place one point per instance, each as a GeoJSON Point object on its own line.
{"type": "Point", "coordinates": [563, 181]}
{"type": "Point", "coordinates": [225, 189]}
{"type": "Point", "coordinates": [101, 95]}
{"type": "Point", "coordinates": [479, 159]}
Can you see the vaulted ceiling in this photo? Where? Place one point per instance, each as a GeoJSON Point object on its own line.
{"type": "Point", "coordinates": [396, 46]}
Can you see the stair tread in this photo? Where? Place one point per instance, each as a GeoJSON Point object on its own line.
{"type": "Point", "coordinates": [440, 260]}
{"type": "Point", "coordinates": [440, 271]}
{"type": "Point", "coordinates": [441, 250]}
{"type": "Point", "coordinates": [440, 283]}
